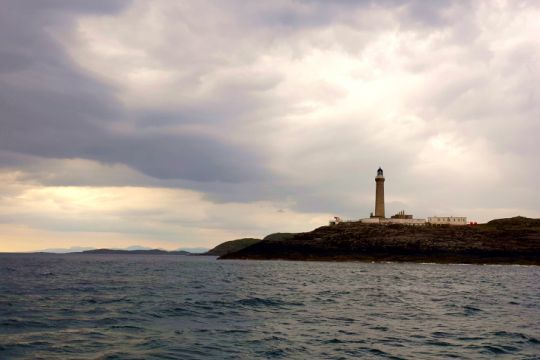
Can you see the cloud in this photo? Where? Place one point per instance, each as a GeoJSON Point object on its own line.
{"type": "Point", "coordinates": [169, 217]}
{"type": "Point", "coordinates": [282, 102]}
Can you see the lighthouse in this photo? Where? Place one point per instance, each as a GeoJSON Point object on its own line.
{"type": "Point", "coordinates": [379, 194]}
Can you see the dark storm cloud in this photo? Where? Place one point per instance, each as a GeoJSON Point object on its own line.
{"type": "Point", "coordinates": [313, 13]}
{"type": "Point", "coordinates": [71, 126]}
{"type": "Point", "coordinates": [24, 25]}
{"type": "Point", "coordinates": [51, 109]}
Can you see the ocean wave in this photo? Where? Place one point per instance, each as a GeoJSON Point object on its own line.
{"type": "Point", "coordinates": [57, 307]}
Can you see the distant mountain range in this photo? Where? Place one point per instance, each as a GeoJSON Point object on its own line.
{"type": "Point", "coordinates": [72, 249]}
{"type": "Point", "coordinates": [134, 248]}
{"type": "Point", "coordinates": [134, 252]}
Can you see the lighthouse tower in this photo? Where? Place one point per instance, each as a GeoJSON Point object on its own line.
{"type": "Point", "coordinates": [379, 194]}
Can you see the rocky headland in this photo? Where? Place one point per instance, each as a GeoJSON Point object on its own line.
{"type": "Point", "coordinates": [231, 246]}
{"type": "Point", "coordinates": [503, 241]}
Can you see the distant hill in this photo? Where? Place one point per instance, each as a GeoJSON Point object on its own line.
{"type": "Point", "coordinates": [194, 250]}
{"type": "Point", "coordinates": [231, 246]}
{"type": "Point", "coordinates": [135, 249]}
{"type": "Point", "coordinates": [136, 252]}
{"type": "Point", "coordinates": [72, 249]}
{"type": "Point", "coordinates": [502, 241]}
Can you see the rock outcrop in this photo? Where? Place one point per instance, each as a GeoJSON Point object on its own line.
{"type": "Point", "coordinates": [503, 241]}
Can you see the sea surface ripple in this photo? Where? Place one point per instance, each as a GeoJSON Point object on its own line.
{"type": "Point", "coordinates": [178, 307]}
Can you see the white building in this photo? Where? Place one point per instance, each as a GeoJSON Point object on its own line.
{"type": "Point", "coordinates": [414, 222]}
{"type": "Point", "coordinates": [447, 220]}
{"type": "Point", "coordinates": [374, 220]}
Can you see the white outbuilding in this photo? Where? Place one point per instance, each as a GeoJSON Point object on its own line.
{"type": "Point", "coordinates": [447, 220]}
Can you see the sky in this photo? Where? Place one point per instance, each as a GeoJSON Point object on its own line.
{"type": "Point", "coordinates": [173, 124]}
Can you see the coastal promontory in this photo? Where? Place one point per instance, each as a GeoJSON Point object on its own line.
{"type": "Point", "coordinates": [231, 246]}
{"type": "Point", "coordinates": [503, 241]}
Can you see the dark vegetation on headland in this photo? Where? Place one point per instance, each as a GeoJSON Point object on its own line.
{"type": "Point", "coordinates": [503, 241]}
{"type": "Point", "coordinates": [231, 246]}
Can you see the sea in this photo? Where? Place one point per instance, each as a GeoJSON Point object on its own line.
{"type": "Point", "coordinates": [78, 306]}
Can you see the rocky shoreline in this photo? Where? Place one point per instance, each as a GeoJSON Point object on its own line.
{"type": "Point", "coordinates": [503, 241]}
